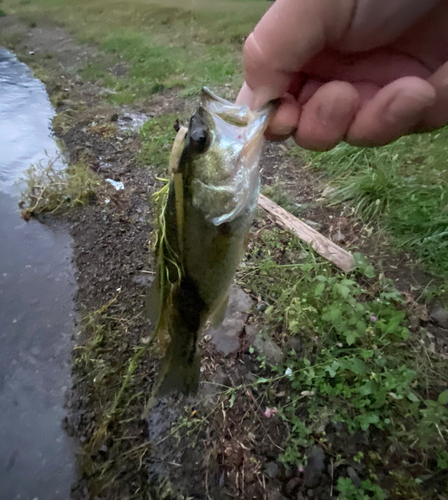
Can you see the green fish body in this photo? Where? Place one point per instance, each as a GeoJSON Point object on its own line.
{"type": "Point", "coordinates": [212, 195]}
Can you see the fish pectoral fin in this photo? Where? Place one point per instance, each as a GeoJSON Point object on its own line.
{"type": "Point", "coordinates": [220, 312]}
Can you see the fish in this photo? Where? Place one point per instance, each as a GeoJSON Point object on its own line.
{"type": "Point", "coordinates": [204, 217]}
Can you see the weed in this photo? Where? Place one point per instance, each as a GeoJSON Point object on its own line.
{"type": "Point", "coordinates": [367, 490]}
{"type": "Point", "coordinates": [62, 123]}
{"type": "Point", "coordinates": [52, 188]}
{"type": "Point", "coordinates": [361, 365]}
{"type": "Point", "coordinates": [2, 13]}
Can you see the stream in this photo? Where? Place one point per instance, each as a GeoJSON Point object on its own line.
{"type": "Point", "coordinates": [37, 284]}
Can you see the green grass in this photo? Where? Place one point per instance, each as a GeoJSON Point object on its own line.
{"type": "Point", "coordinates": [359, 365]}
{"type": "Point", "coordinates": [169, 44]}
{"type": "Point", "coordinates": [157, 136]}
{"type": "Point", "coordinates": [403, 186]}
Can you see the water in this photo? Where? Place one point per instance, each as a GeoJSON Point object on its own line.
{"type": "Point", "coordinates": [36, 307]}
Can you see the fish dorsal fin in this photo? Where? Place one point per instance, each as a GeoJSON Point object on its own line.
{"type": "Point", "coordinates": [176, 151]}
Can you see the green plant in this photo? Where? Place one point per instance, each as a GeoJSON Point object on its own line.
{"type": "Point", "coordinates": [403, 186]}
{"type": "Point", "coordinates": [52, 188]}
{"type": "Point", "coordinates": [361, 366]}
{"type": "Point", "coordinates": [367, 490]}
{"type": "Point", "coordinates": [157, 136]}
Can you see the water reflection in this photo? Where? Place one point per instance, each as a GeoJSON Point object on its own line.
{"type": "Point", "coordinates": [36, 308]}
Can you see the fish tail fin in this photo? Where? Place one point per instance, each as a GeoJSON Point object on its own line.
{"type": "Point", "coordinates": [178, 373]}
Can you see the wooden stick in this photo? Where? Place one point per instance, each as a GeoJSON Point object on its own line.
{"type": "Point", "coordinates": [323, 246]}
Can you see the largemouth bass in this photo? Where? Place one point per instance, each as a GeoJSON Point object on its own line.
{"type": "Point", "coordinates": [203, 227]}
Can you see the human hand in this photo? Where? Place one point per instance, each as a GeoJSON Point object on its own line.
{"type": "Point", "coordinates": [363, 71]}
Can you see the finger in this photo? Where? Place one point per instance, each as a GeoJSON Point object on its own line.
{"type": "Point", "coordinates": [379, 22]}
{"type": "Point", "coordinates": [437, 115]}
{"type": "Point", "coordinates": [327, 115]}
{"type": "Point", "coordinates": [394, 111]}
{"type": "Point", "coordinates": [287, 36]}
{"type": "Point", "coordinates": [286, 119]}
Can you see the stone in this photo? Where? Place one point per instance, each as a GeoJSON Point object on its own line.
{"type": "Point", "coordinates": [274, 355]}
{"type": "Point", "coordinates": [226, 337]}
{"type": "Point", "coordinates": [439, 315]}
{"type": "Point", "coordinates": [265, 346]}
{"type": "Point", "coordinates": [315, 467]}
{"type": "Point", "coordinates": [292, 485]}
{"type": "Point", "coordinates": [252, 332]}
{"type": "Point", "coordinates": [314, 225]}
{"type": "Point", "coordinates": [295, 343]}
{"type": "Point", "coordinates": [272, 470]}
{"type": "Point", "coordinates": [414, 322]}
{"type": "Point", "coordinates": [354, 476]}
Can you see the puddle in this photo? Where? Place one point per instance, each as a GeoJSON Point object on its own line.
{"type": "Point", "coordinates": [36, 308]}
{"type": "Point", "coordinates": [132, 121]}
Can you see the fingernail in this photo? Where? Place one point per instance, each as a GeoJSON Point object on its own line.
{"type": "Point", "coordinates": [326, 112]}
{"type": "Point", "coordinates": [261, 96]}
{"type": "Point", "coordinates": [406, 106]}
{"type": "Point", "coordinates": [332, 109]}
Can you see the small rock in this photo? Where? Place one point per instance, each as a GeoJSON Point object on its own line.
{"type": "Point", "coordinates": [264, 345]}
{"type": "Point", "coordinates": [272, 470]}
{"type": "Point", "coordinates": [310, 493]}
{"type": "Point", "coordinates": [300, 496]}
{"type": "Point", "coordinates": [338, 237]}
{"type": "Point", "coordinates": [251, 332]}
{"type": "Point", "coordinates": [292, 485]}
{"type": "Point", "coordinates": [414, 322]}
{"type": "Point", "coordinates": [295, 343]}
{"type": "Point", "coordinates": [314, 469]}
{"type": "Point", "coordinates": [354, 476]}
{"type": "Point", "coordinates": [273, 353]}
{"type": "Point", "coordinates": [440, 316]}
{"type": "Point", "coordinates": [227, 336]}
{"type": "Point", "coordinates": [314, 225]}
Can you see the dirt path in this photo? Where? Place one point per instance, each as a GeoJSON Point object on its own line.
{"type": "Point", "coordinates": [172, 454]}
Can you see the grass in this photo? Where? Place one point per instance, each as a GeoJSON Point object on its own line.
{"type": "Point", "coordinates": [403, 186]}
{"type": "Point", "coordinates": [53, 189]}
{"type": "Point", "coordinates": [360, 367]}
{"type": "Point", "coordinates": [166, 44]}
{"type": "Point", "coordinates": [157, 136]}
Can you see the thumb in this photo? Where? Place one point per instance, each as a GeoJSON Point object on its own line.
{"type": "Point", "coordinates": [288, 35]}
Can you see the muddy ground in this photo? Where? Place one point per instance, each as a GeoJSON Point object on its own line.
{"type": "Point", "coordinates": [171, 454]}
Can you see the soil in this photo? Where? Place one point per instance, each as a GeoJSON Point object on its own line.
{"type": "Point", "coordinates": [170, 454]}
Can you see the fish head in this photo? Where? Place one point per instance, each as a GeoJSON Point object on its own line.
{"type": "Point", "coordinates": [220, 158]}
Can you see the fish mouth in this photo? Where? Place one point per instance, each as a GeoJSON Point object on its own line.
{"type": "Point", "coordinates": [236, 114]}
